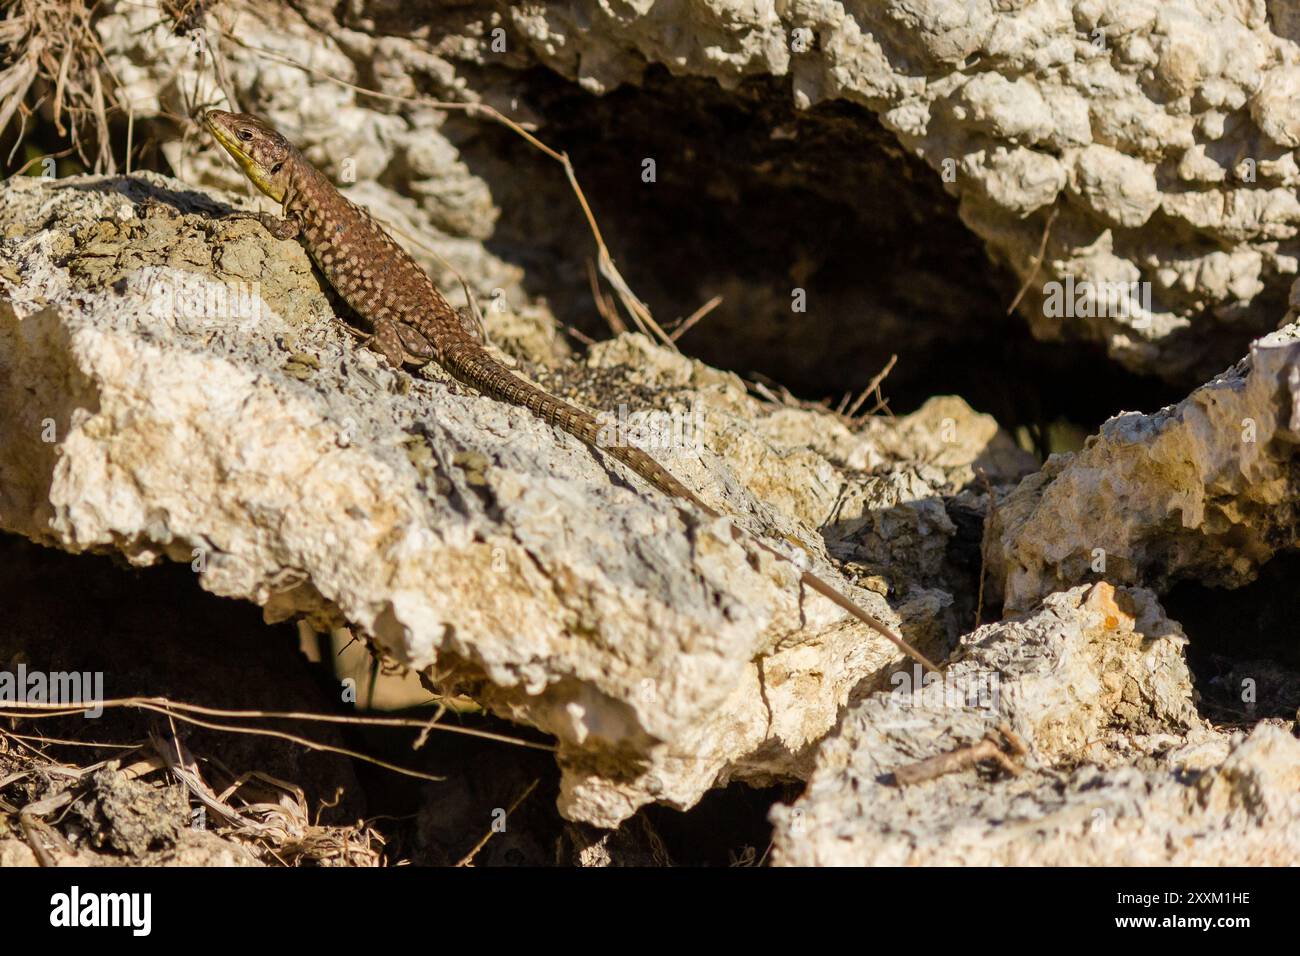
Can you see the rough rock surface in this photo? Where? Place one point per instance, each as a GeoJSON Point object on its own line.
{"type": "Point", "coordinates": [1203, 490]}
{"type": "Point", "coordinates": [1120, 769]}
{"type": "Point", "coordinates": [406, 167]}
{"type": "Point", "coordinates": [1160, 134]}
{"type": "Point", "coordinates": [197, 848]}
{"type": "Point", "coordinates": [175, 385]}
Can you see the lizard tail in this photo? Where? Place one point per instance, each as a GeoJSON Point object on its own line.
{"type": "Point", "coordinates": [475, 365]}
{"type": "Point", "coordinates": [827, 591]}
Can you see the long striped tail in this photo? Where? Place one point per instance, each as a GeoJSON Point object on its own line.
{"type": "Point", "coordinates": [475, 365]}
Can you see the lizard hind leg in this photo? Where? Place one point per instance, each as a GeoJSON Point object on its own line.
{"type": "Point", "coordinates": [387, 341]}
{"type": "Point", "coordinates": [399, 344]}
{"type": "Point", "coordinates": [419, 350]}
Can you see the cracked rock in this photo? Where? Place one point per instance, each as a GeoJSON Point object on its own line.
{"type": "Point", "coordinates": [1203, 490]}
{"type": "Point", "coordinates": [175, 386]}
{"type": "Point", "coordinates": [1120, 768]}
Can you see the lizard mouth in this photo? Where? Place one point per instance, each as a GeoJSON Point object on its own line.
{"type": "Point", "coordinates": [222, 135]}
{"type": "Point", "coordinates": [261, 178]}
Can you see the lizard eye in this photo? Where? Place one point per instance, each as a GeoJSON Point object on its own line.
{"type": "Point", "coordinates": [244, 134]}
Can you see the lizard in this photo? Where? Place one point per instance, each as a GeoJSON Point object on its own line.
{"type": "Point", "coordinates": [412, 323]}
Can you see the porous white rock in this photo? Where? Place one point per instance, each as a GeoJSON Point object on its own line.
{"type": "Point", "coordinates": [176, 386]}
{"type": "Point", "coordinates": [1185, 106]}
{"type": "Point", "coordinates": [1120, 769]}
{"type": "Point", "coordinates": [1201, 490]}
{"type": "Point", "coordinates": [1120, 189]}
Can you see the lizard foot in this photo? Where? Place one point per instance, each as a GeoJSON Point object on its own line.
{"type": "Point", "coordinates": [276, 226]}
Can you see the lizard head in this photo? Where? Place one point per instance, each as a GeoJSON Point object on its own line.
{"type": "Point", "coordinates": [260, 151]}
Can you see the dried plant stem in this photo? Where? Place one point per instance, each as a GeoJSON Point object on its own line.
{"type": "Point", "coordinates": [1038, 259]}
{"type": "Point", "coordinates": [185, 712]}
{"type": "Point", "coordinates": [988, 748]}
{"type": "Point", "coordinates": [468, 859]}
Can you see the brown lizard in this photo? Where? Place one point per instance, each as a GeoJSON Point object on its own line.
{"type": "Point", "coordinates": [412, 323]}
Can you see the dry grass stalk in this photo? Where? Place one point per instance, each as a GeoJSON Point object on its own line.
{"type": "Point", "coordinates": [52, 55]}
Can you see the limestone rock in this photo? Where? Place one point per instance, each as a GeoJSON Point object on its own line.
{"type": "Point", "coordinates": [175, 385]}
{"type": "Point", "coordinates": [1013, 95]}
{"type": "Point", "coordinates": [1159, 134]}
{"type": "Point", "coordinates": [1204, 489]}
{"type": "Point", "coordinates": [1120, 769]}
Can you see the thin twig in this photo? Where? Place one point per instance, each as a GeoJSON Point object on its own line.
{"type": "Point", "coordinates": [165, 705]}
{"type": "Point", "coordinates": [604, 306]}
{"type": "Point", "coordinates": [988, 748]}
{"type": "Point", "coordinates": [1038, 260]}
{"type": "Point", "coordinates": [873, 386]}
{"type": "Point", "coordinates": [989, 514]}
{"type": "Point", "coordinates": [39, 159]}
{"type": "Point", "coordinates": [468, 859]}
{"type": "Point", "coordinates": [182, 711]}
{"type": "Point", "coordinates": [690, 320]}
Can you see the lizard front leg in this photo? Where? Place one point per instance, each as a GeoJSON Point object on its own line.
{"type": "Point", "coordinates": [282, 227]}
